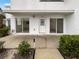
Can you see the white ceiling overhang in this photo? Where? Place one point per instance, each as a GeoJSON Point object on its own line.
{"type": "Point", "coordinates": [39, 11]}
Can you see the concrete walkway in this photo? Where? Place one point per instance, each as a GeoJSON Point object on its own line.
{"type": "Point", "coordinates": [47, 54]}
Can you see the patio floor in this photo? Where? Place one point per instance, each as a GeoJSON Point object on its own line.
{"type": "Point", "coordinates": [14, 41]}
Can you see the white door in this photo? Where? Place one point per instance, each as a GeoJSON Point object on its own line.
{"type": "Point", "coordinates": [42, 25]}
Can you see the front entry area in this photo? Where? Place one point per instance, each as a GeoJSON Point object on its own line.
{"type": "Point", "coordinates": [39, 25]}
{"type": "Point", "coordinates": [31, 25]}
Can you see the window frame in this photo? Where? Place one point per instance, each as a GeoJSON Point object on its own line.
{"type": "Point", "coordinates": [42, 22]}
{"type": "Point", "coordinates": [22, 29]}
{"type": "Point", "coordinates": [57, 26]}
{"type": "Point", "coordinates": [58, 29]}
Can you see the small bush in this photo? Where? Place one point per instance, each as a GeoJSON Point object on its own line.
{"type": "Point", "coordinates": [23, 48]}
{"type": "Point", "coordinates": [69, 45]}
{"type": "Point", "coordinates": [4, 31]}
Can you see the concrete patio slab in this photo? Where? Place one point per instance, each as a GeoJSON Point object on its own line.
{"type": "Point", "coordinates": [46, 48]}
{"type": "Point", "coordinates": [14, 41]}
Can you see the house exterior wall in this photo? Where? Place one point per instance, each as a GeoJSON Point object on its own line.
{"type": "Point", "coordinates": [71, 21]}
{"type": "Point", "coordinates": [34, 24]}
{"type": "Point", "coordinates": [35, 5]}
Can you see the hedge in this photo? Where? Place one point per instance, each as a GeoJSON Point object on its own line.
{"type": "Point", "coordinates": [69, 45]}
{"type": "Point", "coordinates": [4, 31]}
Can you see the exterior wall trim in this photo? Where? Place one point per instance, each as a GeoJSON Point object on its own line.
{"type": "Point", "coordinates": [38, 11]}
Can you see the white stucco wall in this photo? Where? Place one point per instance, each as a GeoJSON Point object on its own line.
{"type": "Point", "coordinates": [71, 21]}
{"type": "Point", "coordinates": [36, 5]}
{"type": "Point", "coordinates": [34, 25]}
{"type": "Point", "coordinates": [12, 22]}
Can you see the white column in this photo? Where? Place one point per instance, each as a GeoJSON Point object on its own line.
{"type": "Point", "coordinates": [13, 25]}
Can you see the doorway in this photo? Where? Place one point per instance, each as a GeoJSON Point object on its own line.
{"type": "Point", "coordinates": [42, 25]}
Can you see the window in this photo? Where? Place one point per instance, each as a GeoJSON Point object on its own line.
{"type": "Point", "coordinates": [59, 25]}
{"type": "Point", "coordinates": [18, 25]}
{"type": "Point", "coordinates": [22, 25]}
{"type": "Point", "coordinates": [25, 25]}
{"type": "Point", "coordinates": [8, 20]}
{"type": "Point", "coordinates": [51, 0]}
{"type": "Point", "coordinates": [42, 22]}
{"type": "Point", "coordinates": [53, 25]}
{"type": "Point", "coordinates": [56, 25]}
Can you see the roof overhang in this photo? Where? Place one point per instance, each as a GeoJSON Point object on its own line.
{"type": "Point", "coordinates": [39, 11]}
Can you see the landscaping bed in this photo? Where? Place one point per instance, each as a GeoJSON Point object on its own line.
{"type": "Point", "coordinates": [4, 31]}
{"type": "Point", "coordinates": [6, 53]}
{"type": "Point", "coordinates": [3, 54]}
{"type": "Point", "coordinates": [24, 51]}
{"type": "Point", "coordinates": [30, 55]}
{"type": "Point", "coordinates": [69, 46]}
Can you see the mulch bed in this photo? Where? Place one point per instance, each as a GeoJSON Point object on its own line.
{"type": "Point", "coordinates": [3, 53]}
{"type": "Point", "coordinates": [28, 56]}
{"type": "Point", "coordinates": [66, 57]}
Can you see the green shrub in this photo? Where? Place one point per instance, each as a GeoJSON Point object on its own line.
{"type": "Point", "coordinates": [23, 48]}
{"type": "Point", "coordinates": [69, 45]}
{"type": "Point", "coordinates": [4, 31]}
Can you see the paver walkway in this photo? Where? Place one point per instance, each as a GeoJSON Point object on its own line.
{"type": "Point", "coordinates": [47, 54]}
